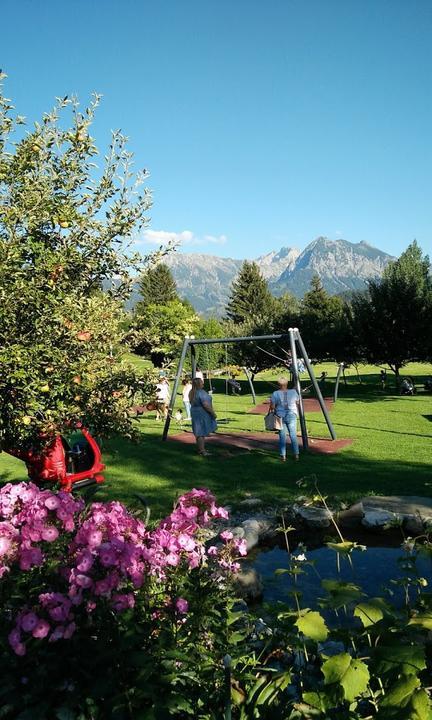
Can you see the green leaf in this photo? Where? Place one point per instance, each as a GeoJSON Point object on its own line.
{"type": "Point", "coordinates": [400, 659]}
{"type": "Point", "coordinates": [400, 694]}
{"type": "Point", "coordinates": [421, 706]}
{"type": "Point", "coordinates": [312, 625]}
{"type": "Point", "coordinates": [341, 593]}
{"type": "Point", "coordinates": [371, 611]}
{"type": "Point", "coordinates": [344, 548]}
{"type": "Point", "coordinates": [423, 619]}
{"type": "Point", "coordinates": [351, 674]}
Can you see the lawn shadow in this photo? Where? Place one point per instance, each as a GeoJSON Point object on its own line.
{"type": "Point", "coordinates": [162, 471]}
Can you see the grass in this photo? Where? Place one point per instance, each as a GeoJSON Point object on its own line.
{"type": "Point", "coordinates": [390, 454]}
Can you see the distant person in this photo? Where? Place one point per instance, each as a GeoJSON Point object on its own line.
{"type": "Point", "coordinates": [178, 417]}
{"type": "Point", "coordinates": [187, 387]}
{"type": "Point", "coordinates": [162, 398]}
{"type": "Point", "coordinates": [322, 378]}
{"type": "Point", "coordinates": [284, 403]}
{"type": "Point", "coordinates": [234, 386]}
{"type": "Point", "coordinates": [383, 378]}
{"type": "Point", "coordinates": [199, 374]}
{"type": "Point", "coordinates": [203, 415]}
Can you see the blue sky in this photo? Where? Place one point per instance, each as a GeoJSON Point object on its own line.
{"type": "Point", "coordinates": [262, 123]}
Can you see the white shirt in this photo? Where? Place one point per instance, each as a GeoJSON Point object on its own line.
{"type": "Point", "coordinates": [285, 400]}
{"type": "Point", "coordinates": [186, 390]}
{"type": "Point", "coordinates": [162, 391]}
{"type": "Point", "coordinates": [199, 375]}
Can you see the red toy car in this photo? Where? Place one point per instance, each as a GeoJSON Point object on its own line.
{"type": "Point", "coordinates": [72, 468]}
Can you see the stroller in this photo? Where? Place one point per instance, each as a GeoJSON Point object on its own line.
{"type": "Point", "coordinates": [407, 387]}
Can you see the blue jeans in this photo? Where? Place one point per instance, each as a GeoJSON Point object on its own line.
{"type": "Point", "coordinates": [186, 404]}
{"type": "Point", "coordinates": [289, 423]}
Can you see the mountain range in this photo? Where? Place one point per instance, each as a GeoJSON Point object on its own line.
{"type": "Point", "coordinates": [205, 280]}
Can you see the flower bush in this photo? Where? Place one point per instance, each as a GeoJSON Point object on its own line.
{"type": "Point", "coordinates": [103, 555]}
{"type": "Point", "coordinates": [90, 587]}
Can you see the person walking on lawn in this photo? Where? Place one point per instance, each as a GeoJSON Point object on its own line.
{"type": "Point", "coordinates": [284, 404]}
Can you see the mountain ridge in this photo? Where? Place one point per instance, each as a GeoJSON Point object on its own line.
{"type": "Point", "coordinates": [205, 280]}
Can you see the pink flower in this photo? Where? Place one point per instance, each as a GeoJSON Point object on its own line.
{"type": "Point", "coordinates": [41, 630]}
{"type": "Point", "coordinates": [182, 606]}
{"type": "Point", "coordinates": [226, 535]}
{"type": "Point", "coordinates": [52, 502]}
{"type": "Point", "coordinates": [94, 538]}
{"type": "Point", "coordinates": [186, 542]}
{"type": "Point", "coordinates": [69, 631]}
{"type": "Point", "coordinates": [83, 581]}
{"type": "Point", "coordinates": [212, 550]}
{"type": "Point", "coordinates": [107, 557]}
{"type": "Point", "coordinates": [30, 557]}
{"type": "Point", "coordinates": [85, 561]}
{"type": "Point", "coordinates": [56, 634]}
{"type": "Point", "coordinates": [121, 602]}
{"type": "Point", "coordinates": [241, 546]}
{"type": "Point", "coordinates": [50, 533]}
{"type": "Point", "coordinates": [29, 621]}
{"type": "Point", "coordinates": [5, 545]}
{"type": "Point", "coordinates": [172, 559]}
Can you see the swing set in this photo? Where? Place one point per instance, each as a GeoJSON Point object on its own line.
{"type": "Point", "coordinates": [297, 349]}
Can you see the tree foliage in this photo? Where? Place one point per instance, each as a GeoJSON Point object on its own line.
{"type": "Point", "coordinates": [64, 229]}
{"type": "Point", "coordinates": [250, 300]}
{"type": "Point", "coordinates": [157, 286]}
{"type": "Point", "coordinates": [393, 320]}
{"type": "Point", "coordinates": [158, 331]}
{"type": "Point", "coordinates": [320, 321]}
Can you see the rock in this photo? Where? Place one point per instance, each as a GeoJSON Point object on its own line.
{"type": "Point", "coordinates": [351, 515]}
{"type": "Point", "coordinates": [413, 524]}
{"type": "Point", "coordinates": [377, 518]}
{"type": "Point", "coordinates": [314, 517]}
{"type": "Point", "coordinates": [249, 584]}
{"type": "Point", "coordinates": [251, 503]}
{"type": "Point", "coordinates": [238, 532]}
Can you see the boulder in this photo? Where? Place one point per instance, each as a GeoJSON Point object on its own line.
{"type": "Point", "coordinates": [249, 584]}
{"type": "Point", "coordinates": [251, 529]}
{"type": "Point", "coordinates": [314, 517]}
{"type": "Point", "coordinates": [377, 518]}
{"type": "Point", "coordinates": [413, 510]}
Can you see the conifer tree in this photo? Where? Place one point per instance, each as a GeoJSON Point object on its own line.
{"type": "Point", "coordinates": [157, 286]}
{"type": "Point", "coordinates": [320, 320]}
{"type": "Point", "coordinates": [250, 299]}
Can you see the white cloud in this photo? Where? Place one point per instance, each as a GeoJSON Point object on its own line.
{"type": "Point", "coordinates": [185, 237]}
{"type": "Point", "coordinates": [216, 239]}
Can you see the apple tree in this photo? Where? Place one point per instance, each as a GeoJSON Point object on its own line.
{"type": "Point", "coordinates": [66, 229]}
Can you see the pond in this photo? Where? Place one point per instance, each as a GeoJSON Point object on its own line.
{"type": "Point", "coordinates": [373, 570]}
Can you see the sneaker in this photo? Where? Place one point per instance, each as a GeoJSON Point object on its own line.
{"type": "Point", "coordinates": [282, 458]}
{"type": "Point", "coordinates": [296, 458]}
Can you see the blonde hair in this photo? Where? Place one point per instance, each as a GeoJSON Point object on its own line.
{"type": "Point", "coordinates": [283, 381]}
{"type": "Point", "coordinates": [196, 386]}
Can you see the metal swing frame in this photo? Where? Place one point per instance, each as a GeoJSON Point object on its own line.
{"type": "Point", "coordinates": [295, 340]}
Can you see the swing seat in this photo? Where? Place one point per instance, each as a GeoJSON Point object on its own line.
{"type": "Point", "coordinates": [71, 468]}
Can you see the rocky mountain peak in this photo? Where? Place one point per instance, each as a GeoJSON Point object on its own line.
{"type": "Point", "coordinates": [205, 280]}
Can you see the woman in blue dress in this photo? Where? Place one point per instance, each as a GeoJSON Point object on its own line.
{"type": "Point", "coordinates": [203, 415]}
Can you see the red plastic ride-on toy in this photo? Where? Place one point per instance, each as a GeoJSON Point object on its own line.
{"type": "Point", "coordinates": [72, 467]}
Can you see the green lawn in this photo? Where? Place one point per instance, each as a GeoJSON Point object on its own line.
{"type": "Point", "coordinates": [391, 452]}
